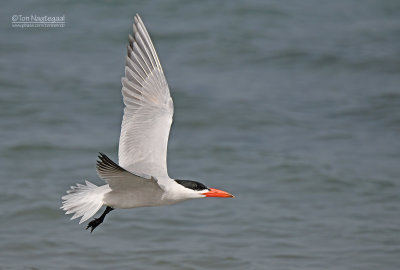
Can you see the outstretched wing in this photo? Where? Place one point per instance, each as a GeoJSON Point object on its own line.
{"type": "Point", "coordinates": [148, 108]}
{"type": "Point", "coordinates": [117, 177]}
{"type": "Point", "coordinates": [133, 190]}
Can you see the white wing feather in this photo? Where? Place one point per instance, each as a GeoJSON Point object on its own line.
{"type": "Point", "coordinates": [148, 108]}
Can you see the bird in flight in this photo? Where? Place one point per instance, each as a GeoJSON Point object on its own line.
{"type": "Point", "coordinates": [141, 177]}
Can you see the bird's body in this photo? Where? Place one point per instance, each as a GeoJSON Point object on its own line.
{"type": "Point", "coordinates": [141, 178]}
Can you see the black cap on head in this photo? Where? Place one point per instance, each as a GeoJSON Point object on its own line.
{"type": "Point", "coordinates": [191, 184]}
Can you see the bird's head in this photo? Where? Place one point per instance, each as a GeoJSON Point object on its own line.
{"type": "Point", "coordinates": [203, 191]}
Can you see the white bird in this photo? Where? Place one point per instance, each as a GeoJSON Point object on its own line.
{"type": "Point", "coordinates": [141, 178]}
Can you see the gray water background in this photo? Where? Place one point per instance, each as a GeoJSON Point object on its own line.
{"type": "Point", "coordinates": [293, 106]}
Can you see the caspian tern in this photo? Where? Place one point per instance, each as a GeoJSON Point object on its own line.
{"type": "Point", "coordinates": [141, 178]}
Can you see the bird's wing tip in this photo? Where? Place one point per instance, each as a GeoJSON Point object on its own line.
{"type": "Point", "coordinates": [101, 155]}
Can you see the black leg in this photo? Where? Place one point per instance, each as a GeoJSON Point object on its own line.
{"type": "Point", "coordinates": [97, 221]}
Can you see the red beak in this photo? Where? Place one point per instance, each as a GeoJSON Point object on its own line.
{"type": "Point", "coordinates": [218, 193]}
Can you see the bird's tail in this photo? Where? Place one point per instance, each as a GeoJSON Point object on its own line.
{"type": "Point", "coordinates": [84, 200]}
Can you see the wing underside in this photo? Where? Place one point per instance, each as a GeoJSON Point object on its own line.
{"type": "Point", "coordinates": [148, 108]}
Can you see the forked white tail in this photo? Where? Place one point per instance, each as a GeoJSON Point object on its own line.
{"type": "Point", "coordinates": [84, 200]}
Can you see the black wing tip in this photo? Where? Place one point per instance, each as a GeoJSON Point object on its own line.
{"type": "Point", "coordinates": [105, 162]}
{"type": "Point", "coordinates": [101, 155]}
{"type": "Point", "coordinates": [106, 167]}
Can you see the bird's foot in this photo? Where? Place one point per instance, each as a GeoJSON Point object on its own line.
{"type": "Point", "coordinates": [97, 221]}
{"type": "Point", "coordinates": [94, 223]}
